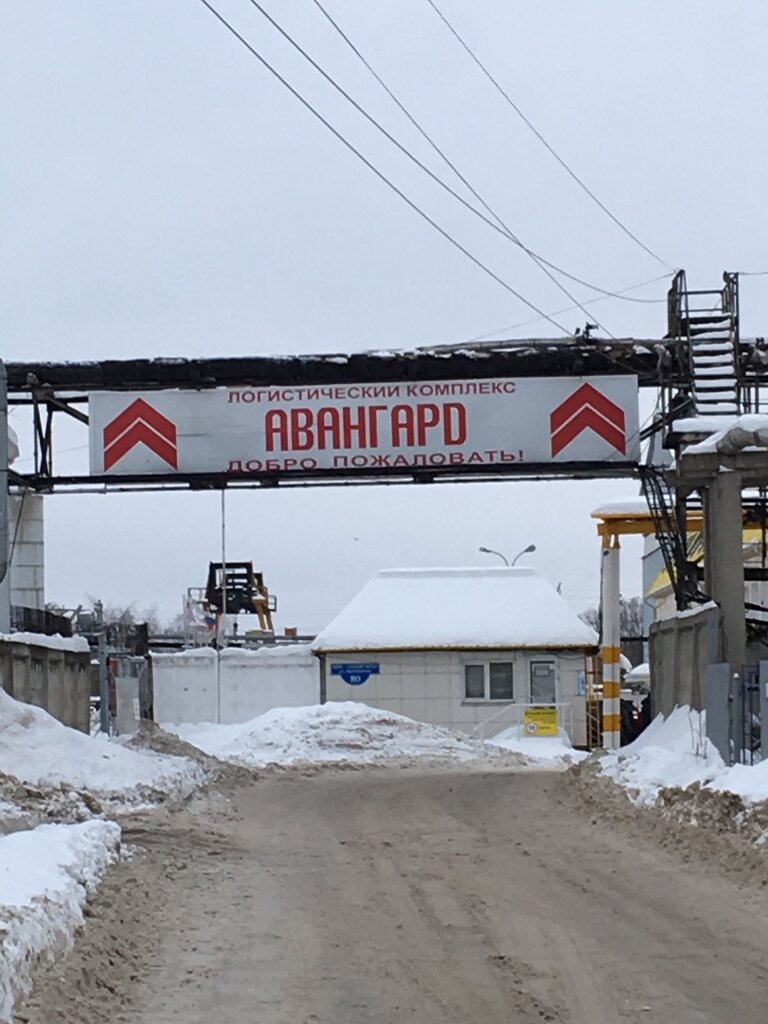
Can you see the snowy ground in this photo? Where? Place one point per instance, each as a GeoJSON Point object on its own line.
{"type": "Point", "coordinates": [46, 875]}
{"type": "Point", "coordinates": [343, 731]}
{"type": "Point", "coordinates": [48, 771]}
{"type": "Point", "coordinates": [39, 751]}
{"type": "Point", "coordinates": [675, 752]}
{"type": "Point", "coordinates": [554, 750]}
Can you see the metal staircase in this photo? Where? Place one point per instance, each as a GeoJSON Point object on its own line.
{"type": "Point", "coordinates": [706, 323]}
{"type": "Point", "coordinates": [671, 533]}
{"type": "Point", "coordinates": [703, 327]}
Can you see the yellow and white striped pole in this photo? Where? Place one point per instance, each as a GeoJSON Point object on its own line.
{"type": "Point", "coordinates": [611, 630]}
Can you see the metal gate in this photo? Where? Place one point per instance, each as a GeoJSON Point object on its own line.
{"type": "Point", "coordinates": [747, 716]}
{"type": "Point", "coordinates": [737, 710]}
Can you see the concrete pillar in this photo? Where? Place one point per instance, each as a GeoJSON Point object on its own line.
{"type": "Point", "coordinates": [724, 563]}
{"type": "Point", "coordinates": [611, 649]}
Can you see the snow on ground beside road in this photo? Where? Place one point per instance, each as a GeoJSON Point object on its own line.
{"type": "Point", "coordinates": [555, 749]}
{"type": "Point", "coordinates": [338, 731]}
{"type": "Point", "coordinates": [46, 875]}
{"type": "Point", "coordinates": [674, 752]}
{"type": "Point", "coordinates": [39, 751]}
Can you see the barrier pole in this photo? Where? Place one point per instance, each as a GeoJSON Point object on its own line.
{"type": "Point", "coordinates": [611, 641]}
{"type": "Point", "coordinates": [221, 634]}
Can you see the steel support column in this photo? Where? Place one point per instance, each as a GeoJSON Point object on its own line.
{"type": "Point", "coordinates": [724, 562]}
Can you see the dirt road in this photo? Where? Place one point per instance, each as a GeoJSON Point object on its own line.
{"type": "Point", "coordinates": [408, 895]}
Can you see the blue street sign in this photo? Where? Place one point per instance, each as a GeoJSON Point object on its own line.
{"type": "Point", "coordinates": [356, 674]}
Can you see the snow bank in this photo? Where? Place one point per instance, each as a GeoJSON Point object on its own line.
{"type": "Point", "coordinates": [556, 749]}
{"type": "Point", "coordinates": [322, 733]}
{"type": "Point", "coordinates": [40, 751]}
{"type": "Point", "coordinates": [670, 752]}
{"type": "Point", "coordinates": [46, 875]}
{"type": "Point", "coordinates": [78, 644]}
{"type": "Point", "coordinates": [750, 782]}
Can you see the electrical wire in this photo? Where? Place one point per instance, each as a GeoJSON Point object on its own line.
{"type": "Point", "coordinates": [379, 174]}
{"type": "Point", "coordinates": [752, 273]}
{"type": "Point", "coordinates": [542, 264]}
{"type": "Point", "coordinates": [570, 309]}
{"type": "Point", "coordinates": [64, 451]}
{"type": "Point", "coordinates": [541, 138]}
{"type": "Point", "coordinates": [502, 230]}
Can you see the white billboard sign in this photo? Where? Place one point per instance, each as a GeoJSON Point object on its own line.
{"type": "Point", "coordinates": [441, 425]}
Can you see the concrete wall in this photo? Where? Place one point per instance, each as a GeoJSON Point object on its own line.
{"type": "Point", "coordinates": [28, 562]}
{"type": "Point", "coordinates": [186, 685]}
{"type": "Point", "coordinates": [429, 686]}
{"type": "Point", "coordinates": [54, 679]}
{"type": "Point", "coordinates": [681, 648]}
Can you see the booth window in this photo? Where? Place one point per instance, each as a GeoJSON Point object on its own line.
{"type": "Point", "coordinates": [474, 682]}
{"type": "Point", "coordinates": [490, 681]}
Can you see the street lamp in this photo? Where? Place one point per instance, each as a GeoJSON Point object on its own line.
{"type": "Point", "coordinates": [525, 551]}
{"type": "Point", "coordinates": [490, 551]}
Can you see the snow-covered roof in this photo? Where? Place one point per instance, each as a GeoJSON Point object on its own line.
{"type": "Point", "coordinates": [621, 509]}
{"type": "Point", "coordinates": [437, 609]}
{"type": "Point", "coordinates": [639, 674]}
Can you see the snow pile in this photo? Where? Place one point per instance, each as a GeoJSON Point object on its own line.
{"type": "Point", "coordinates": [671, 752]}
{"type": "Point", "coordinates": [46, 875]}
{"type": "Point", "coordinates": [38, 750]}
{"type": "Point", "coordinates": [555, 749]}
{"type": "Point", "coordinates": [323, 733]}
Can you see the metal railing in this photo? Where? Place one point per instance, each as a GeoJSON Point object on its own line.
{"type": "Point", "coordinates": [39, 620]}
{"type": "Point", "coordinates": [513, 714]}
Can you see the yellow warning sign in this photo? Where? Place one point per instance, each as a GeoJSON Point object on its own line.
{"type": "Point", "coordinates": [540, 720]}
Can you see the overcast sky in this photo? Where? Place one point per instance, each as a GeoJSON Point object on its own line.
{"type": "Point", "coordinates": [163, 195]}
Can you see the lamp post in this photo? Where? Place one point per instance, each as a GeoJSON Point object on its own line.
{"type": "Point", "coordinates": [525, 551]}
{"type": "Point", "coordinates": [490, 551]}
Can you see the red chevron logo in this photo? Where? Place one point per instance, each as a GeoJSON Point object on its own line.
{"type": "Point", "coordinates": [588, 408]}
{"type": "Point", "coordinates": [140, 423]}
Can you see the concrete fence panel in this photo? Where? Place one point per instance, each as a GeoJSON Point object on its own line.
{"type": "Point", "coordinates": [681, 650]}
{"type": "Point", "coordinates": [50, 677]}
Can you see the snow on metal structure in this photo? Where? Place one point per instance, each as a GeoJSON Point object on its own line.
{"type": "Point", "coordinates": [53, 389]}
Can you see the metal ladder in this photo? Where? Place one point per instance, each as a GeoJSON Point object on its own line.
{"type": "Point", "coordinates": [707, 325]}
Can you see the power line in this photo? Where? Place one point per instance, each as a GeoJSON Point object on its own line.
{"type": "Point", "coordinates": [570, 309]}
{"type": "Point", "coordinates": [542, 264]}
{"type": "Point", "coordinates": [501, 230]}
{"type": "Point", "coordinates": [541, 138]}
{"type": "Point", "coordinates": [379, 174]}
